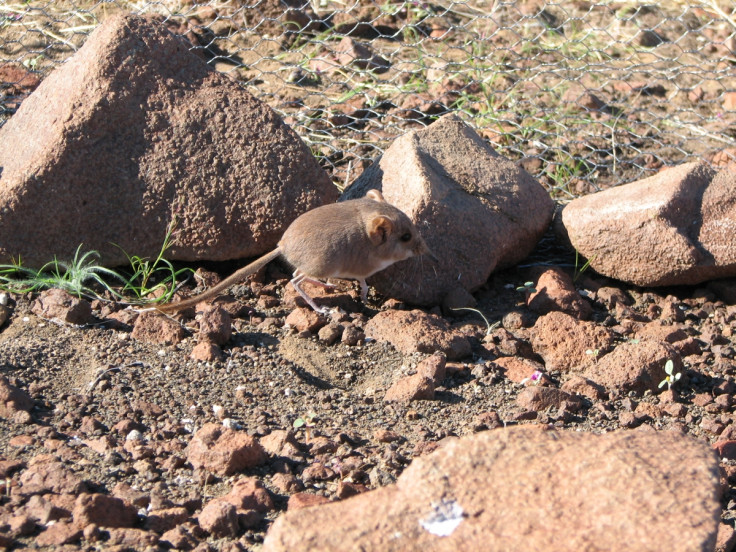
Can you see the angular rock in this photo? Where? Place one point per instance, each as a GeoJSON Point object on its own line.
{"type": "Point", "coordinates": [134, 131]}
{"type": "Point", "coordinates": [206, 351]}
{"type": "Point", "coordinates": [522, 370]}
{"type": "Point", "coordinates": [433, 367]}
{"type": "Point", "coordinates": [561, 491]}
{"type": "Point", "coordinates": [555, 291]}
{"type": "Point", "coordinates": [476, 210]}
{"type": "Point", "coordinates": [131, 538]}
{"type": "Point", "coordinates": [634, 367]}
{"type": "Point", "coordinates": [58, 304]}
{"type": "Point", "coordinates": [417, 331]}
{"type": "Point", "coordinates": [675, 228]}
{"type": "Point", "coordinates": [13, 399]}
{"type": "Point", "coordinates": [578, 385]}
{"type": "Point", "coordinates": [249, 493]}
{"type": "Point", "coordinates": [568, 344]}
{"type": "Point", "coordinates": [305, 319]}
{"type": "Point", "coordinates": [156, 328]}
{"type": "Point", "coordinates": [47, 475]}
{"type": "Point", "coordinates": [411, 388]}
{"type": "Point", "coordinates": [538, 399]}
{"type": "Point", "coordinates": [104, 511]}
{"type": "Point", "coordinates": [215, 325]}
{"type": "Point", "coordinates": [58, 534]}
{"type": "Point", "coordinates": [297, 501]}
{"type": "Point", "coordinates": [224, 451]}
{"type": "Point", "coordinates": [219, 518]}
{"type": "Point", "coordinates": [160, 521]}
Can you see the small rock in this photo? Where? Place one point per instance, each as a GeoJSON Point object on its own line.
{"type": "Point", "coordinates": [131, 538]}
{"type": "Point", "coordinates": [351, 52]}
{"type": "Point", "coordinates": [103, 510]}
{"type": "Point", "coordinates": [206, 351]}
{"type": "Point", "coordinates": [330, 333]}
{"type": "Point", "coordinates": [160, 521]}
{"type": "Point", "coordinates": [59, 533]}
{"type": "Point", "coordinates": [352, 335]}
{"type": "Point", "coordinates": [248, 493]}
{"type": "Point", "coordinates": [579, 385]}
{"type": "Point", "coordinates": [298, 501]}
{"type": "Point", "coordinates": [219, 518]}
{"type": "Point", "coordinates": [726, 449]}
{"type": "Point", "coordinates": [411, 388]}
{"type": "Point", "coordinates": [304, 319]}
{"type": "Point", "coordinates": [155, 328]}
{"type": "Point", "coordinates": [634, 367]}
{"type": "Point", "coordinates": [539, 399]}
{"type": "Point", "coordinates": [520, 370]}
{"type": "Point", "coordinates": [57, 304]}
{"type": "Point", "coordinates": [433, 367]}
{"type": "Point", "coordinates": [13, 399]}
{"type": "Point", "coordinates": [224, 451]}
{"type": "Point", "coordinates": [215, 325]}
{"type": "Point", "coordinates": [555, 291]}
{"type": "Point", "coordinates": [45, 474]}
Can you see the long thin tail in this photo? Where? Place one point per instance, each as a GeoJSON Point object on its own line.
{"type": "Point", "coordinates": [235, 278]}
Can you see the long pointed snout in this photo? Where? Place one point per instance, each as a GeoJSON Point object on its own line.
{"type": "Point", "coordinates": [422, 249]}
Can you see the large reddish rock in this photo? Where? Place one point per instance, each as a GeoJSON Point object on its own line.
{"type": "Point", "coordinates": [134, 131]}
{"type": "Point", "coordinates": [677, 227]}
{"type": "Point", "coordinates": [476, 210]}
{"type": "Point", "coordinates": [549, 490]}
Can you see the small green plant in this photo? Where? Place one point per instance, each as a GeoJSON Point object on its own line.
{"type": "Point", "coordinates": [586, 266]}
{"type": "Point", "coordinates": [158, 277]}
{"type": "Point", "coordinates": [527, 287]}
{"type": "Point", "coordinates": [670, 379]}
{"type": "Point", "coordinates": [489, 327]}
{"type": "Point", "coordinates": [74, 277]}
{"type": "Point", "coordinates": [594, 353]}
{"type": "Point", "coordinates": [83, 276]}
{"type": "Point", "coordinates": [307, 422]}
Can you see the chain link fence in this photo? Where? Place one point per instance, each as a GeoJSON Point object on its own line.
{"type": "Point", "coordinates": [584, 94]}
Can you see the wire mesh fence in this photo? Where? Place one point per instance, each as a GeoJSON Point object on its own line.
{"type": "Point", "coordinates": [584, 94]}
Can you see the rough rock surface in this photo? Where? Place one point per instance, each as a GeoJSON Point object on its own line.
{"type": "Point", "coordinates": [555, 291]}
{"type": "Point", "coordinates": [634, 367]}
{"type": "Point", "coordinates": [417, 331]}
{"type": "Point", "coordinates": [476, 210]}
{"type": "Point", "coordinates": [224, 451]}
{"type": "Point", "coordinates": [134, 131]}
{"type": "Point", "coordinates": [568, 344]}
{"type": "Point", "coordinates": [675, 228]}
{"type": "Point", "coordinates": [549, 491]}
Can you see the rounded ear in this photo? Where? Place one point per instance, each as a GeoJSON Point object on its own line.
{"type": "Point", "coordinates": [379, 229]}
{"type": "Point", "coordinates": [375, 195]}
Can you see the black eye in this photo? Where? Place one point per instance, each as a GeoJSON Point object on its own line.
{"type": "Point", "coordinates": [406, 237]}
